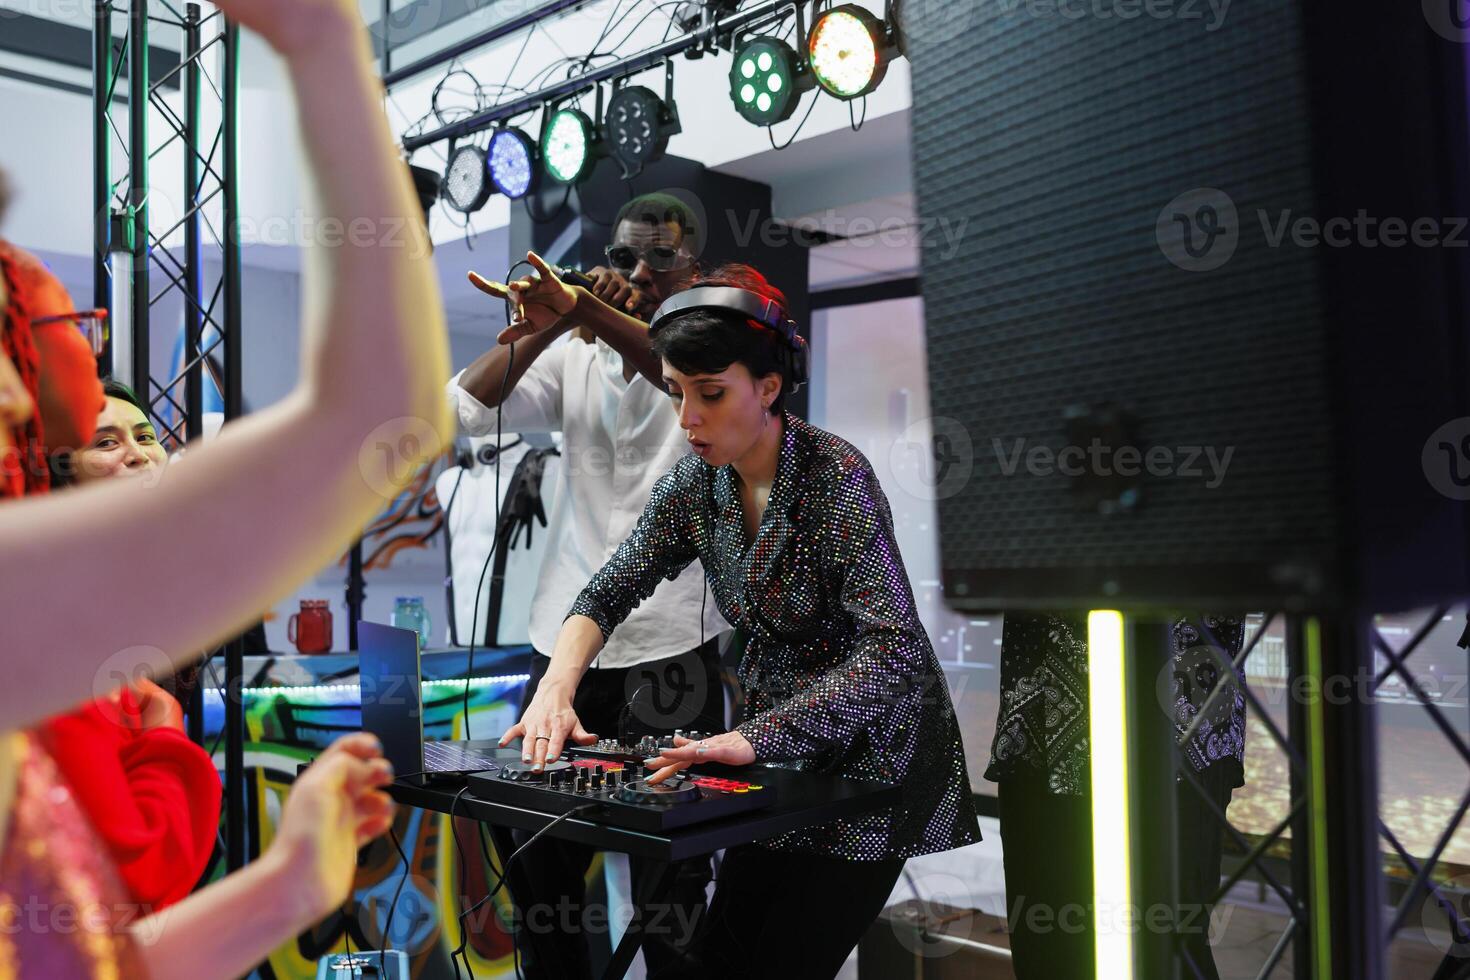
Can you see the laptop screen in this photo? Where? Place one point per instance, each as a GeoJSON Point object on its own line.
{"type": "Point", "coordinates": [392, 701]}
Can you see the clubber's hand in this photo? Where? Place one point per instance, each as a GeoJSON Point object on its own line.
{"type": "Point", "coordinates": [548, 723]}
{"type": "Point", "coordinates": [730, 749]}
{"type": "Point", "coordinates": [335, 807]}
{"type": "Point", "coordinates": [156, 707]}
{"type": "Point", "coordinates": [541, 300]}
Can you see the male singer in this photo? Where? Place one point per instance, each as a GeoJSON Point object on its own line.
{"type": "Point", "coordinates": [619, 436]}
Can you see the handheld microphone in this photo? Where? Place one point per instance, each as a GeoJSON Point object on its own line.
{"type": "Point", "coordinates": [576, 277]}
{"type": "Point", "coordinates": [572, 277]}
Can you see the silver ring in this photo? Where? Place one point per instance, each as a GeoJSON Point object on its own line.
{"type": "Point", "coordinates": [540, 738]}
{"type": "Point", "coordinates": [701, 748]}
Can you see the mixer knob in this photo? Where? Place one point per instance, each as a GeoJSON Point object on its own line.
{"type": "Point", "coordinates": [596, 780]}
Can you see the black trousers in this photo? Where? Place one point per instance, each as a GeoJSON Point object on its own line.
{"type": "Point", "coordinates": [781, 914]}
{"type": "Point", "coordinates": [1047, 840]}
{"type": "Point", "coordinates": [681, 692]}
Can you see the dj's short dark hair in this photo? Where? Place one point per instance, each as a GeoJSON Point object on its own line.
{"type": "Point", "coordinates": [660, 208]}
{"type": "Point", "coordinates": [709, 341]}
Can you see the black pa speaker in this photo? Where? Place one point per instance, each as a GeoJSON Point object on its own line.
{"type": "Point", "coordinates": [1203, 339]}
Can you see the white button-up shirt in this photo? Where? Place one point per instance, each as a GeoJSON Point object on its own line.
{"type": "Point", "coordinates": [618, 438]}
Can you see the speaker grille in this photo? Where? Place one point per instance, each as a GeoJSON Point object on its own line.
{"type": "Point", "coordinates": [1061, 142]}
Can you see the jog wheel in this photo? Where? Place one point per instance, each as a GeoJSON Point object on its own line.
{"type": "Point", "coordinates": [521, 772]}
{"type": "Point", "coordinates": [666, 793]}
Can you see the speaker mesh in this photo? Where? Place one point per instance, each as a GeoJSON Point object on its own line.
{"type": "Point", "coordinates": [1061, 139]}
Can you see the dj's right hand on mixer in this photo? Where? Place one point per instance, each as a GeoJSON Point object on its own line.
{"type": "Point", "coordinates": [547, 725]}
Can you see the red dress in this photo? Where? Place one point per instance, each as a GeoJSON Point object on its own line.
{"type": "Point", "coordinates": [152, 795]}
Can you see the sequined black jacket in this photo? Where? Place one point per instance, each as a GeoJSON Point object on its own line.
{"type": "Point", "coordinates": [838, 673]}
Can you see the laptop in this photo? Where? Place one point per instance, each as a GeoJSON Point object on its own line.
{"type": "Point", "coordinates": [393, 709]}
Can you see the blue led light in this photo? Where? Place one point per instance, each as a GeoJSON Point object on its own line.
{"type": "Point", "coordinates": [511, 164]}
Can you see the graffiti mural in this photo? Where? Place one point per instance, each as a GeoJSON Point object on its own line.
{"type": "Point", "coordinates": [434, 875]}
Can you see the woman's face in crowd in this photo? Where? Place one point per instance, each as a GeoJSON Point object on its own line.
{"type": "Point", "coordinates": [722, 414]}
{"type": "Point", "coordinates": [125, 444]}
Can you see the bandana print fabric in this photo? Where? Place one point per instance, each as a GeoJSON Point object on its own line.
{"type": "Point", "coordinates": [1043, 723]}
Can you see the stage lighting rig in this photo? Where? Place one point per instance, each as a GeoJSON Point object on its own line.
{"type": "Point", "coordinates": [466, 180]}
{"type": "Point", "coordinates": [638, 124]}
{"type": "Point", "coordinates": [512, 162]}
{"type": "Point", "coordinates": [567, 145]}
{"type": "Point", "coordinates": [848, 50]}
{"type": "Point", "coordinates": [766, 80]}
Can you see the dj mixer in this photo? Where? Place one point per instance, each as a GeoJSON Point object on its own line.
{"type": "Point", "coordinates": [612, 750]}
{"type": "Point", "coordinates": [612, 777]}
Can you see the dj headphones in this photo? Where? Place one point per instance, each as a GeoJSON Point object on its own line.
{"type": "Point", "coordinates": [796, 356]}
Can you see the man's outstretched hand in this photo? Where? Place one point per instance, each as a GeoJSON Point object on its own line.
{"type": "Point", "coordinates": [541, 301]}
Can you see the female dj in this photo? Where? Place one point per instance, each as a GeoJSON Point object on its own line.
{"type": "Point", "coordinates": [838, 674]}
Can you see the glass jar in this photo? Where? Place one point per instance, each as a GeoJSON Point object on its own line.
{"type": "Point", "coordinates": [409, 613]}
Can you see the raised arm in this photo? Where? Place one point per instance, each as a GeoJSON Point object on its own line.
{"type": "Point", "coordinates": [625, 334]}
{"type": "Point", "coordinates": [486, 379]}
{"type": "Point", "coordinates": [546, 305]}
{"type": "Point", "coordinates": [238, 524]}
{"type": "Point", "coordinates": [335, 807]}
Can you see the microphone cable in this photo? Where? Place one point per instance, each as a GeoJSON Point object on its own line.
{"type": "Point", "coordinates": [460, 950]}
{"type": "Point", "coordinates": [393, 906]}
{"type": "Point", "coordinates": [495, 538]}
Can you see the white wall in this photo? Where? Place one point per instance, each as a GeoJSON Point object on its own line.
{"type": "Point", "coordinates": [870, 386]}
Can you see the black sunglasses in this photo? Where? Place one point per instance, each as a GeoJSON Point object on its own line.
{"type": "Point", "coordinates": [660, 258]}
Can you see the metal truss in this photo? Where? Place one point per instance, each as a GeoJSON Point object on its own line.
{"type": "Point", "coordinates": [139, 261]}
{"type": "Point", "coordinates": [1325, 857]}
{"type": "Point", "coordinates": [1446, 900]}
{"type": "Point", "coordinates": [1294, 893]}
